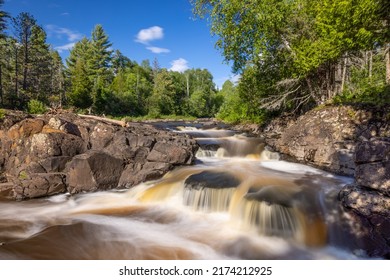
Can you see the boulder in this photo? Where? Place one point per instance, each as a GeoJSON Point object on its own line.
{"type": "Point", "coordinates": [170, 153]}
{"type": "Point", "coordinates": [368, 219]}
{"type": "Point", "coordinates": [93, 171]}
{"type": "Point", "coordinates": [135, 174]}
{"type": "Point", "coordinates": [211, 180]}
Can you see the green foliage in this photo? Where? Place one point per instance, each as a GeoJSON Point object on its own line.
{"type": "Point", "coordinates": [291, 53]}
{"type": "Point", "coordinates": [36, 107]}
{"type": "Point", "coordinates": [366, 86]}
{"type": "Point", "coordinates": [2, 114]}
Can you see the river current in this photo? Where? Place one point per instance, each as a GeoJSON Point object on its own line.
{"type": "Point", "coordinates": [239, 201]}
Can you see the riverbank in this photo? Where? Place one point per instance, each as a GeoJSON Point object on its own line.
{"type": "Point", "coordinates": [64, 152]}
{"type": "Point", "coordinates": [348, 141]}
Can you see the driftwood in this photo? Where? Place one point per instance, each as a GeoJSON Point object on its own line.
{"type": "Point", "coordinates": [104, 119]}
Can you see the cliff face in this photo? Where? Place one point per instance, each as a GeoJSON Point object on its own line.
{"type": "Point", "coordinates": [51, 154]}
{"type": "Point", "coordinates": [351, 142]}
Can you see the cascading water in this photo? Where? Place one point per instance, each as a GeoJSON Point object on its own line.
{"type": "Point", "coordinates": [237, 202]}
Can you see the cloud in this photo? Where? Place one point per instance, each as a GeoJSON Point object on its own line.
{"type": "Point", "coordinates": [65, 14]}
{"type": "Point", "coordinates": [179, 65]}
{"type": "Point", "coordinates": [66, 47]}
{"type": "Point", "coordinates": [235, 78]}
{"type": "Point", "coordinates": [61, 31]}
{"type": "Point", "coordinates": [145, 36]}
{"type": "Point", "coordinates": [158, 50]}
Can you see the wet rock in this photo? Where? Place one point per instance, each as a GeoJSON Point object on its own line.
{"type": "Point", "coordinates": [212, 180]}
{"type": "Point", "coordinates": [270, 195]}
{"type": "Point", "coordinates": [135, 174]}
{"type": "Point", "coordinates": [93, 171]}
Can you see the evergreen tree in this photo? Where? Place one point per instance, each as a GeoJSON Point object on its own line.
{"type": "Point", "coordinates": [40, 60]}
{"type": "Point", "coordinates": [80, 95]}
{"type": "Point", "coordinates": [3, 20]}
{"type": "Point", "coordinates": [23, 26]}
{"type": "Point", "coordinates": [57, 79]}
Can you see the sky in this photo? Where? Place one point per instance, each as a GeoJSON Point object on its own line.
{"type": "Point", "coordinates": [165, 30]}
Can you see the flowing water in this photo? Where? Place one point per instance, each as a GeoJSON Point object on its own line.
{"type": "Point", "coordinates": [239, 201]}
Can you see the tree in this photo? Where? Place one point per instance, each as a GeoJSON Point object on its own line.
{"type": "Point", "coordinates": [80, 95]}
{"type": "Point", "coordinates": [57, 79]}
{"type": "Point", "coordinates": [120, 62]}
{"type": "Point", "coordinates": [3, 20]}
{"type": "Point", "coordinates": [40, 63]}
{"type": "Point", "coordinates": [305, 41]}
{"type": "Point", "coordinates": [23, 27]}
{"type": "Point", "coordinates": [161, 102]}
{"type": "Point", "coordinates": [101, 55]}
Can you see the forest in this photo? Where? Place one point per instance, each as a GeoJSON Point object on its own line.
{"type": "Point", "coordinates": [291, 57]}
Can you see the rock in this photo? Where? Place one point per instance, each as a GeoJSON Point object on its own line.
{"type": "Point", "coordinates": [40, 185]}
{"type": "Point", "coordinates": [85, 154]}
{"type": "Point", "coordinates": [212, 180]}
{"type": "Point", "coordinates": [65, 126]}
{"type": "Point", "coordinates": [170, 153]}
{"type": "Point", "coordinates": [372, 151]}
{"type": "Point", "coordinates": [7, 191]}
{"type": "Point", "coordinates": [44, 145]}
{"type": "Point", "coordinates": [271, 195]}
{"type": "Point", "coordinates": [327, 137]}
{"type": "Point", "coordinates": [93, 171]}
{"type": "Point", "coordinates": [375, 176]}
{"type": "Point", "coordinates": [369, 219]}
{"type": "Point", "coordinates": [135, 174]}
{"type": "Point", "coordinates": [55, 164]}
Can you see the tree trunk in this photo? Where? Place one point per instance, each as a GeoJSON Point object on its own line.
{"type": "Point", "coordinates": [370, 66]}
{"type": "Point", "coordinates": [387, 59]}
{"type": "Point", "coordinates": [25, 65]}
{"type": "Point", "coordinates": [344, 73]}
{"type": "Point", "coordinates": [1, 87]}
{"type": "Point", "coordinates": [188, 86]}
{"type": "Point", "coordinates": [16, 72]}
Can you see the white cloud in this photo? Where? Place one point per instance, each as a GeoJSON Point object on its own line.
{"type": "Point", "coordinates": [235, 78]}
{"type": "Point", "coordinates": [65, 14]}
{"type": "Point", "coordinates": [61, 31]}
{"type": "Point", "coordinates": [66, 47]}
{"type": "Point", "coordinates": [179, 65]}
{"type": "Point", "coordinates": [145, 36]}
{"type": "Point", "coordinates": [158, 50]}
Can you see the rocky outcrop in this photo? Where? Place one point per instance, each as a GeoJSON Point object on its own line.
{"type": "Point", "coordinates": [348, 141]}
{"type": "Point", "coordinates": [326, 137]}
{"type": "Point", "coordinates": [368, 199]}
{"type": "Point", "coordinates": [56, 153]}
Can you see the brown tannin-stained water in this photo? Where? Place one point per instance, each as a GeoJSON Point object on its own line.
{"type": "Point", "coordinates": [239, 201]}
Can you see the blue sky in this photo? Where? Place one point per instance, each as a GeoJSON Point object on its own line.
{"type": "Point", "coordinates": [140, 29]}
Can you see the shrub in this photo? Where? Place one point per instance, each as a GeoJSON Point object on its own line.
{"type": "Point", "coordinates": [36, 107]}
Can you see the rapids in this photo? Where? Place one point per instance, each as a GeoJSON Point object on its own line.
{"type": "Point", "coordinates": [239, 201]}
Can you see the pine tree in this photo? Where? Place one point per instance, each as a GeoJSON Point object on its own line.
{"type": "Point", "coordinates": [80, 95]}
{"type": "Point", "coordinates": [40, 60]}
{"type": "Point", "coordinates": [23, 25]}
{"type": "Point", "coordinates": [101, 55]}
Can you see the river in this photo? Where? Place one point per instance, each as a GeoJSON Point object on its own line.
{"type": "Point", "coordinates": [239, 201]}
